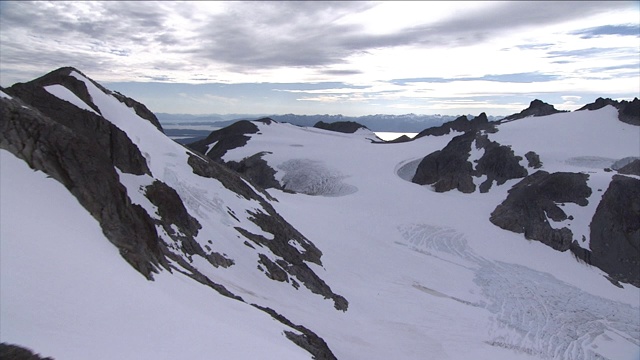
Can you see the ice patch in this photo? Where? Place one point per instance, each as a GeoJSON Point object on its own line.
{"type": "Point", "coordinates": [533, 312]}
{"type": "Point", "coordinates": [314, 178]}
{"type": "Point", "coordinates": [4, 96]}
{"type": "Point", "coordinates": [591, 162]}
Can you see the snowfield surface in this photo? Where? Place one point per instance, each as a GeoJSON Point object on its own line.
{"type": "Point", "coordinates": [67, 293]}
{"type": "Point", "coordinates": [426, 274]}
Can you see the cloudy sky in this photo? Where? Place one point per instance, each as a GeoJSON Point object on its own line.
{"type": "Point", "coordinates": [351, 58]}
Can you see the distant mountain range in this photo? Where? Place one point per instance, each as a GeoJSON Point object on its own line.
{"type": "Point", "coordinates": [379, 122]}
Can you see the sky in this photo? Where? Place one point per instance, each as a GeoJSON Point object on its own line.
{"type": "Point", "coordinates": [348, 57]}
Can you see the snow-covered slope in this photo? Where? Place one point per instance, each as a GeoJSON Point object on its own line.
{"type": "Point", "coordinates": [349, 252]}
{"type": "Point", "coordinates": [425, 271]}
{"type": "Point", "coordinates": [67, 293]}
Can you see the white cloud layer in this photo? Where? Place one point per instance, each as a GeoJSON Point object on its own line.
{"type": "Point", "coordinates": [389, 55]}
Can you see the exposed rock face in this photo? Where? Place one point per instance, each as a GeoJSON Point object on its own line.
{"type": "Point", "coordinates": [461, 124]}
{"type": "Point", "coordinates": [533, 160]}
{"type": "Point", "coordinates": [632, 168]}
{"type": "Point", "coordinates": [450, 168]}
{"type": "Point", "coordinates": [15, 352]}
{"type": "Point", "coordinates": [533, 201]}
{"type": "Point", "coordinates": [110, 139]}
{"type": "Point", "coordinates": [86, 169]}
{"type": "Point", "coordinates": [88, 154]}
{"type": "Point", "coordinates": [218, 142]}
{"type": "Point", "coordinates": [615, 231]}
{"type": "Point", "coordinates": [536, 108]}
{"type": "Point", "coordinates": [257, 170]}
{"type": "Point", "coordinates": [498, 163]}
{"type": "Point", "coordinates": [25, 91]}
{"type": "Point", "coordinates": [307, 339]}
{"type": "Point", "coordinates": [347, 127]}
{"type": "Point", "coordinates": [628, 111]}
{"type": "Point", "coordinates": [292, 260]}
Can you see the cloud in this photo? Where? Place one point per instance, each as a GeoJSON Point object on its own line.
{"type": "Point", "coordinates": [621, 30]}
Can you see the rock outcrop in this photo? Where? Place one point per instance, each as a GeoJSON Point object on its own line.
{"type": "Point", "coordinates": [461, 124]}
{"type": "Point", "coordinates": [615, 231]}
{"type": "Point", "coordinates": [532, 202]}
{"type": "Point", "coordinates": [628, 111]}
{"type": "Point", "coordinates": [450, 168]}
{"type": "Point", "coordinates": [220, 141]}
{"type": "Point", "coordinates": [536, 108]}
{"type": "Point", "coordinates": [15, 352]}
{"type": "Point", "coordinates": [86, 168]}
{"type": "Point", "coordinates": [347, 127]}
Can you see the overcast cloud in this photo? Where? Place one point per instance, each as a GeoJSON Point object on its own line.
{"type": "Point", "coordinates": [388, 57]}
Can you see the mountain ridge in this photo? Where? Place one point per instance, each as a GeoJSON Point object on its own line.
{"type": "Point", "coordinates": [318, 250]}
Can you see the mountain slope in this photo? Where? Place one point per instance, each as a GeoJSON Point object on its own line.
{"type": "Point", "coordinates": [351, 258]}
{"type": "Point", "coordinates": [407, 248]}
{"type": "Point", "coordinates": [164, 207]}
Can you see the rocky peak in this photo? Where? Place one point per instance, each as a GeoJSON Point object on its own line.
{"type": "Point", "coordinates": [536, 108]}
{"type": "Point", "coordinates": [62, 76]}
{"type": "Point", "coordinates": [461, 124]}
{"type": "Point", "coordinates": [347, 127]}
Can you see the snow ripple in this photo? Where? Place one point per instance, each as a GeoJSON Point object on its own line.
{"type": "Point", "coordinates": [533, 312]}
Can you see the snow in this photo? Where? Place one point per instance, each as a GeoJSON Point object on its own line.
{"type": "Point", "coordinates": [4, 96]}
{"type": "Point", "coordinates": [67, 293]}
{"type": "Point", "coordinates": [424, 272]}
{"type": "Point", "coordinates": [65, 94]}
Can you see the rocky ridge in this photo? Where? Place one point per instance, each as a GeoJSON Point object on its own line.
{"type": "Point", "coordinates": [90, 156]}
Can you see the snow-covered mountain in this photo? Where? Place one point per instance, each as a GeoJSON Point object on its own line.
{"type": "Point", "coordinates": [358, 249]}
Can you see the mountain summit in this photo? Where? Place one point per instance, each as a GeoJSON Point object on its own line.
{"type": "Point", "coordinates": [479, 239]}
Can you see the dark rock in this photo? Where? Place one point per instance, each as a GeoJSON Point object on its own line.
{"type": "Point", "coordinates": [532, 200]}
{"type": "Point", "coordinates": [256, 169]}
{"type": "Point", "coordinates": [615, 231]}
{"type": "Point", "coordinates": [230, 137]}
{"type": "Point", "coordinates": [632, 168]}
{"type": "Point", "coordinates": [628, 111]}
{"type": "Point", "coordinates": [274, 272]}
{"type": "Point", "coordinates": [84, 167]}
{"type": "Point", "coordinates": [292, 260]}
{"type": "Point", "coordinates": [448, 168]}
{"type": "Point", "coordinates": [536, 108]}
{"type": "Point", "coordinates": [347, 127]}
{"type": "Point", "coordinates": [171, 209]}
{"type": "Point", "coordinates": [461, 124]}
{"type": "Point", "coordinates": [533, 160]}
{"type": "Point", "coordinates": [15, 352]}
{"type": "Point", "coordinates": [62, 77]}
{"type": "Point", "coordinates": [499, 164]}
{"type": "Point", "coordinates": [109, 138]}
{"type": "Point", "coordinates": [307, 340]}
{"type": "Point", "coordinates": [599, 104]}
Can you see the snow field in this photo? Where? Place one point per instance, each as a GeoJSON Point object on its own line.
{"type": "Point", "coordinates": [67, 293]}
